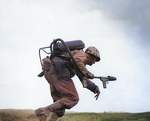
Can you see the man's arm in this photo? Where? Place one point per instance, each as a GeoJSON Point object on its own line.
{"type": "Point", "coordinates": [83, 68]}
{"type": "Point", "coordinates": [93, 88]}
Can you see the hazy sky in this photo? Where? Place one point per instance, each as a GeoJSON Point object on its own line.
{"type": "Point", "coordinates": [119, 29]}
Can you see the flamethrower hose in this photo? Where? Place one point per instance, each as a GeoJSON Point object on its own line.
{"type": "Point", "coordinates": [74, 62]}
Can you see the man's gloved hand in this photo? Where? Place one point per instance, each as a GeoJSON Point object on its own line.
{"type": "Point", "coordinates": [90, 75]}
{"type": "Point", "coordinates": [97, 92]}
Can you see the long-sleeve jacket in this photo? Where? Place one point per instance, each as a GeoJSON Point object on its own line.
{"type": "Point", "coordinates": [80, 58]}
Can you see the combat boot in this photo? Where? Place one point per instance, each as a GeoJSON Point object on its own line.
{"type": "Point", "coordinates": [42, 113]}
{"type": "Point", "coordinates": [52, 117]}
{"type": "Point", "coordinates": [55, 106]}
{"type": "Point", "coordinates": [42, 117]}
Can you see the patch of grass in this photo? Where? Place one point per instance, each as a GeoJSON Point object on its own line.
{"type": "Point", "coordinates": [106, 117]}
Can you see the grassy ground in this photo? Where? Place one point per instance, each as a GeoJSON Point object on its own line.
{"type": "Point", "coordinates": [107, 117]}
{"type": "Point", "coordinates": [29, 115]}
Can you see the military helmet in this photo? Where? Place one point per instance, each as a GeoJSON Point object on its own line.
{"type": "Point", "coordinates": [93, 51]}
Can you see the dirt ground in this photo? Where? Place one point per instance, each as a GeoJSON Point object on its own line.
{"type": "Point", "coordinates": [17, 115]}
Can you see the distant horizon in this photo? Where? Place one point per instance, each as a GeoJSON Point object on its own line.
{"type": "Point", "coordinates": [77, 111]}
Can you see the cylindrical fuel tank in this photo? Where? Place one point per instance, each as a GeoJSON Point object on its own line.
{"type": "Point", "coordinates": [72, 45]}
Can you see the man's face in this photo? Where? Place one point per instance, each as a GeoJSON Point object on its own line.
{"type": "Point", "coordinates": [92, 60]}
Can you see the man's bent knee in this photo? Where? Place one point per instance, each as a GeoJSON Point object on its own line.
{"type": "Point", "coordinates": [71, 103]}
